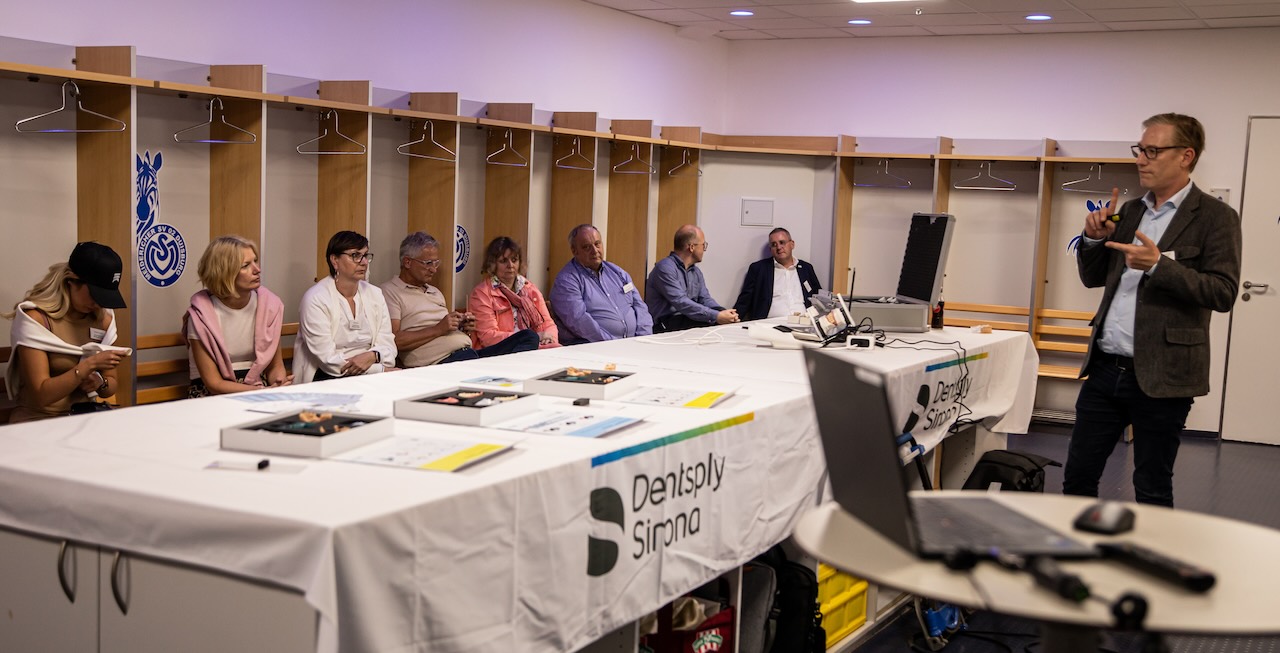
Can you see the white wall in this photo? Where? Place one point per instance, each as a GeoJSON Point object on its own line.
{"type": "Point", "coordinates": [563, 55]}
{"type": "Point", "coordinates": [1086, 87]}
{"type": "Point", "coordinates": [792, 182]}
{"type": "Point", "coordinates": [573, 56]}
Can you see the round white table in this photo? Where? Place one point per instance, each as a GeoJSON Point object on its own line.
{"type": "Point", "coordinates": [1244, 557]}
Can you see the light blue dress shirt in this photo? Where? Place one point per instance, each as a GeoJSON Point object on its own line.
{"type": "Point", "coordinates": [1117, 330]}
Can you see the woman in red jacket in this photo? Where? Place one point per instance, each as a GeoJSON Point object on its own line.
{"type": "Point", "coordinates": [505, 302]}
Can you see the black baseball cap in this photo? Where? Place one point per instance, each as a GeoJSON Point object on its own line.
{"type": "Point", "coordinates": [99, 267]}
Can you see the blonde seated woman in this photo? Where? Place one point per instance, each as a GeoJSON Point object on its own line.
{"type": "Point", "coordinates": [233, 325]}
{"type": "Point", "coordinates": [61, 334]}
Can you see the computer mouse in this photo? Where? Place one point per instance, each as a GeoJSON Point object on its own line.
{"type": "Point", "coordinates": [1106, 518]}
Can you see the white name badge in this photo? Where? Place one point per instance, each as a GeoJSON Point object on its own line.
{"type": "Point", "coordinates": [628, 288]}
{"type": "Point", "coordinates": [807, 288]}
{"type": "Point", "coordinates": [97, 335]}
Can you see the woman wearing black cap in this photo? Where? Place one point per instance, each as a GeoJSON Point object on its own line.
{"type": "Point", "coordinates": [59, 330]}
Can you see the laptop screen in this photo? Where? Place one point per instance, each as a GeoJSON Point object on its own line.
{"type": "Point", "coordinates": [860, 441]}
{"type": "Point", "coordinates": [925, 259]}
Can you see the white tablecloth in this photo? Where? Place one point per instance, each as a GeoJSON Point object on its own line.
{"type": "Point", "coordinates": [495, 557]}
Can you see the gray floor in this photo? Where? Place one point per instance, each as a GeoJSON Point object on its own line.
{"type": "Point", "coordinates": [1235, 480]}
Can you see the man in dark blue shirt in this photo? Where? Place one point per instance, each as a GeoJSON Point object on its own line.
{"type": "Point", "coordinates": [677, 292]}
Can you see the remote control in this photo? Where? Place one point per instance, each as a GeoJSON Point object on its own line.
{"type": "Point", "coordinates": [1158, 565]}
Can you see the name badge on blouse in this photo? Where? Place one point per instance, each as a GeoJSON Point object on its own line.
{"type": "Point", "coordinates": [97, 335]}
{"type": "Point", "coordinates": [807, 288]}
{"type": "Point", "coordinates": [628, 288]}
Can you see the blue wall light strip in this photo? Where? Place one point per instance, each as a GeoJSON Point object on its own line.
{"type": "Point", "coordinates": [671, 439]}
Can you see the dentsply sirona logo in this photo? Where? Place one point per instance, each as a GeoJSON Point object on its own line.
{"type": "Point", "coordinates": [602, 554]}
{"type": "Point", "coordinates": [922, 405]}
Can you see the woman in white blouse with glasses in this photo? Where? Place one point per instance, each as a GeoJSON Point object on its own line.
{"type": "Point", "coordinates": [344, 328]}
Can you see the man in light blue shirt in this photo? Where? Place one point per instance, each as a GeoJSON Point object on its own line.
{"type": "Point", "coordinates": [594, 299]}
{"type": "Point", "coordinates": [677, 292]}
{"type": "Point", "coordinates": [1166, 262]}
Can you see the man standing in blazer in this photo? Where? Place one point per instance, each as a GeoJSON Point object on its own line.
{"type": "Point", "coordinates": [1166, 260]}
{"type": "Point", "coordinates": [779, 285]}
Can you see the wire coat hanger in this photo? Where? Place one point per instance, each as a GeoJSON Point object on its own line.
{"type": "Point", "coordinates": [685, 162]}
{"type": "Point", "coordinates": [507, 146]}
{"type": "Point", "coordinates": [222, 116]}
{"type": "Point", "coordinates": [984, 180]}
{"type": "Point", "coordinates": [575, 153]}
{"type": "Point", "coordinates": [330, 113]}
{"type": "Point", "coordinates": [1099, 187]}
{"type": "Point", "coordinates": [635, 158]}
{"type": "Point", "coordinates": [428, 135]}
{"type": "Point", "coordinates": [882, 178]}
{"type": "Point", "coordinates": [69, 91]}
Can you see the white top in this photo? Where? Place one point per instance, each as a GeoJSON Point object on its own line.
{"type": "Point", "coordinates": [237, 333]}
{"type": "Point", "coordinates": [1241, 555]}
{"type": "Point", "coordinates": [788, 297]}
{"type": "Point", "coordinates": [329, 333]}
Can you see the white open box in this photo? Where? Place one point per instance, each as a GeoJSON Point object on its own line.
{"type": "Point", "coordinates": [256, 437]}
{"type": "Point", "coordinates": [422, 408]}
{"type": "Point", "coordinates": [547, 384]}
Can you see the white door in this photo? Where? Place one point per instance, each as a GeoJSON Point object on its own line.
{"type": "Point", "coordinates": [1248, 411]}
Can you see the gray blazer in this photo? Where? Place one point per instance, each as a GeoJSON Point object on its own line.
{"type": "Point", "coordinates": [1171, 326]}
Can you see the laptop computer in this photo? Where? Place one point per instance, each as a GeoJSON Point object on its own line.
{"type": "Point", "coordinates": [924, 262]}
{"type": "Point", "coordinates": [869, 481]}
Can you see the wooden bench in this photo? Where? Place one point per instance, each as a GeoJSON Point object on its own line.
{"type": "Point", "coordinates": [1053, 338]}
{"type": "Point", "coordinates": [161, 368]}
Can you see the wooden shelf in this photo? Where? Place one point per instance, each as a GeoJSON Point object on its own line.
{"type": "Point", "coordinates": [637, 139]}
{"type": "Point", "coordinates": [341, 106]}
{"type": "Point", "coordinates": [524, 126]}
{"type": "Point", "coordinates": [883, 155]}
{"type": "Point", "coordinates": [582, 132]}
{"type": "Point", "coordinates": [983, 157]}
{"type": "Point", "coordinates": [210, 91]}
{"type": "Point", "coordinates": [428, 115]}
{"type": "Point", "coordinates": [1086, 159]}
{"type": "Point", "coordinates": [14, 70]}
{"type": "Point", "coordinates": [695, 146]}
{"type": "Point", "coordinates": [770, 150]}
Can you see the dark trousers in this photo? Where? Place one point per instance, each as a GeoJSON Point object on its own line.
{"type": "Point", "coordinates": [676, 322]}
{"type": "Point", "coordinates": [1110, 400]}
{"type": "Point", "coordinates": [522, 340]}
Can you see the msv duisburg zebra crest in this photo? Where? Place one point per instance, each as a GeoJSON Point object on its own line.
{"type": "Point", "coordinates": [162, 253]}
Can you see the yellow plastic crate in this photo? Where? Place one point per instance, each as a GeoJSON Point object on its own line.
{"type": "Point", "coordinates": [843, 601]}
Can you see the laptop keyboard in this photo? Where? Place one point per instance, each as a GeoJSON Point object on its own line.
{"type": "Point", "coordinates": [981, 524]}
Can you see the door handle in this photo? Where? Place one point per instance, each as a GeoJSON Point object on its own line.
{"type": "Point", "coordinates": [120, 564]}
{"type": "Point", "coordinates": [67, 587]}
{"type": "Point", "coordinates": [1249, 285]}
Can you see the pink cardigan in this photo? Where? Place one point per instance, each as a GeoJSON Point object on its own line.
{"type": "Point", "coordinates": [494, 320]}
{"type": "Point", "coordinates": [267, 321]}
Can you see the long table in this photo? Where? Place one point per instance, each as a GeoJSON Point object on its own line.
{"type": "Point", "coordinates": [544, 548]}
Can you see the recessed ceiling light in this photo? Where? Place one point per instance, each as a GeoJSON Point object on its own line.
{"type": "Point", "coordinates": [859, 21]}
{"type": "Point", "coordinates": [741, 12]}
{"type": "Point", "coordinates": [1039, 17]}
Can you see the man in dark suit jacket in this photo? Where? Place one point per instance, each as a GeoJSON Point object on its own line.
{"type": "Point", "coordinates": [756, 300]}
{"type": "Point", "coordinates": [1149, 353]}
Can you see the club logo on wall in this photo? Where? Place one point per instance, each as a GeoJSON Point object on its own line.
{"type": "Point", "coordinates": [461, 248]}
{"type": "Point", "coordinates": [162, 253]}
{"type": "Point", "coordinates": [1092, 206]}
